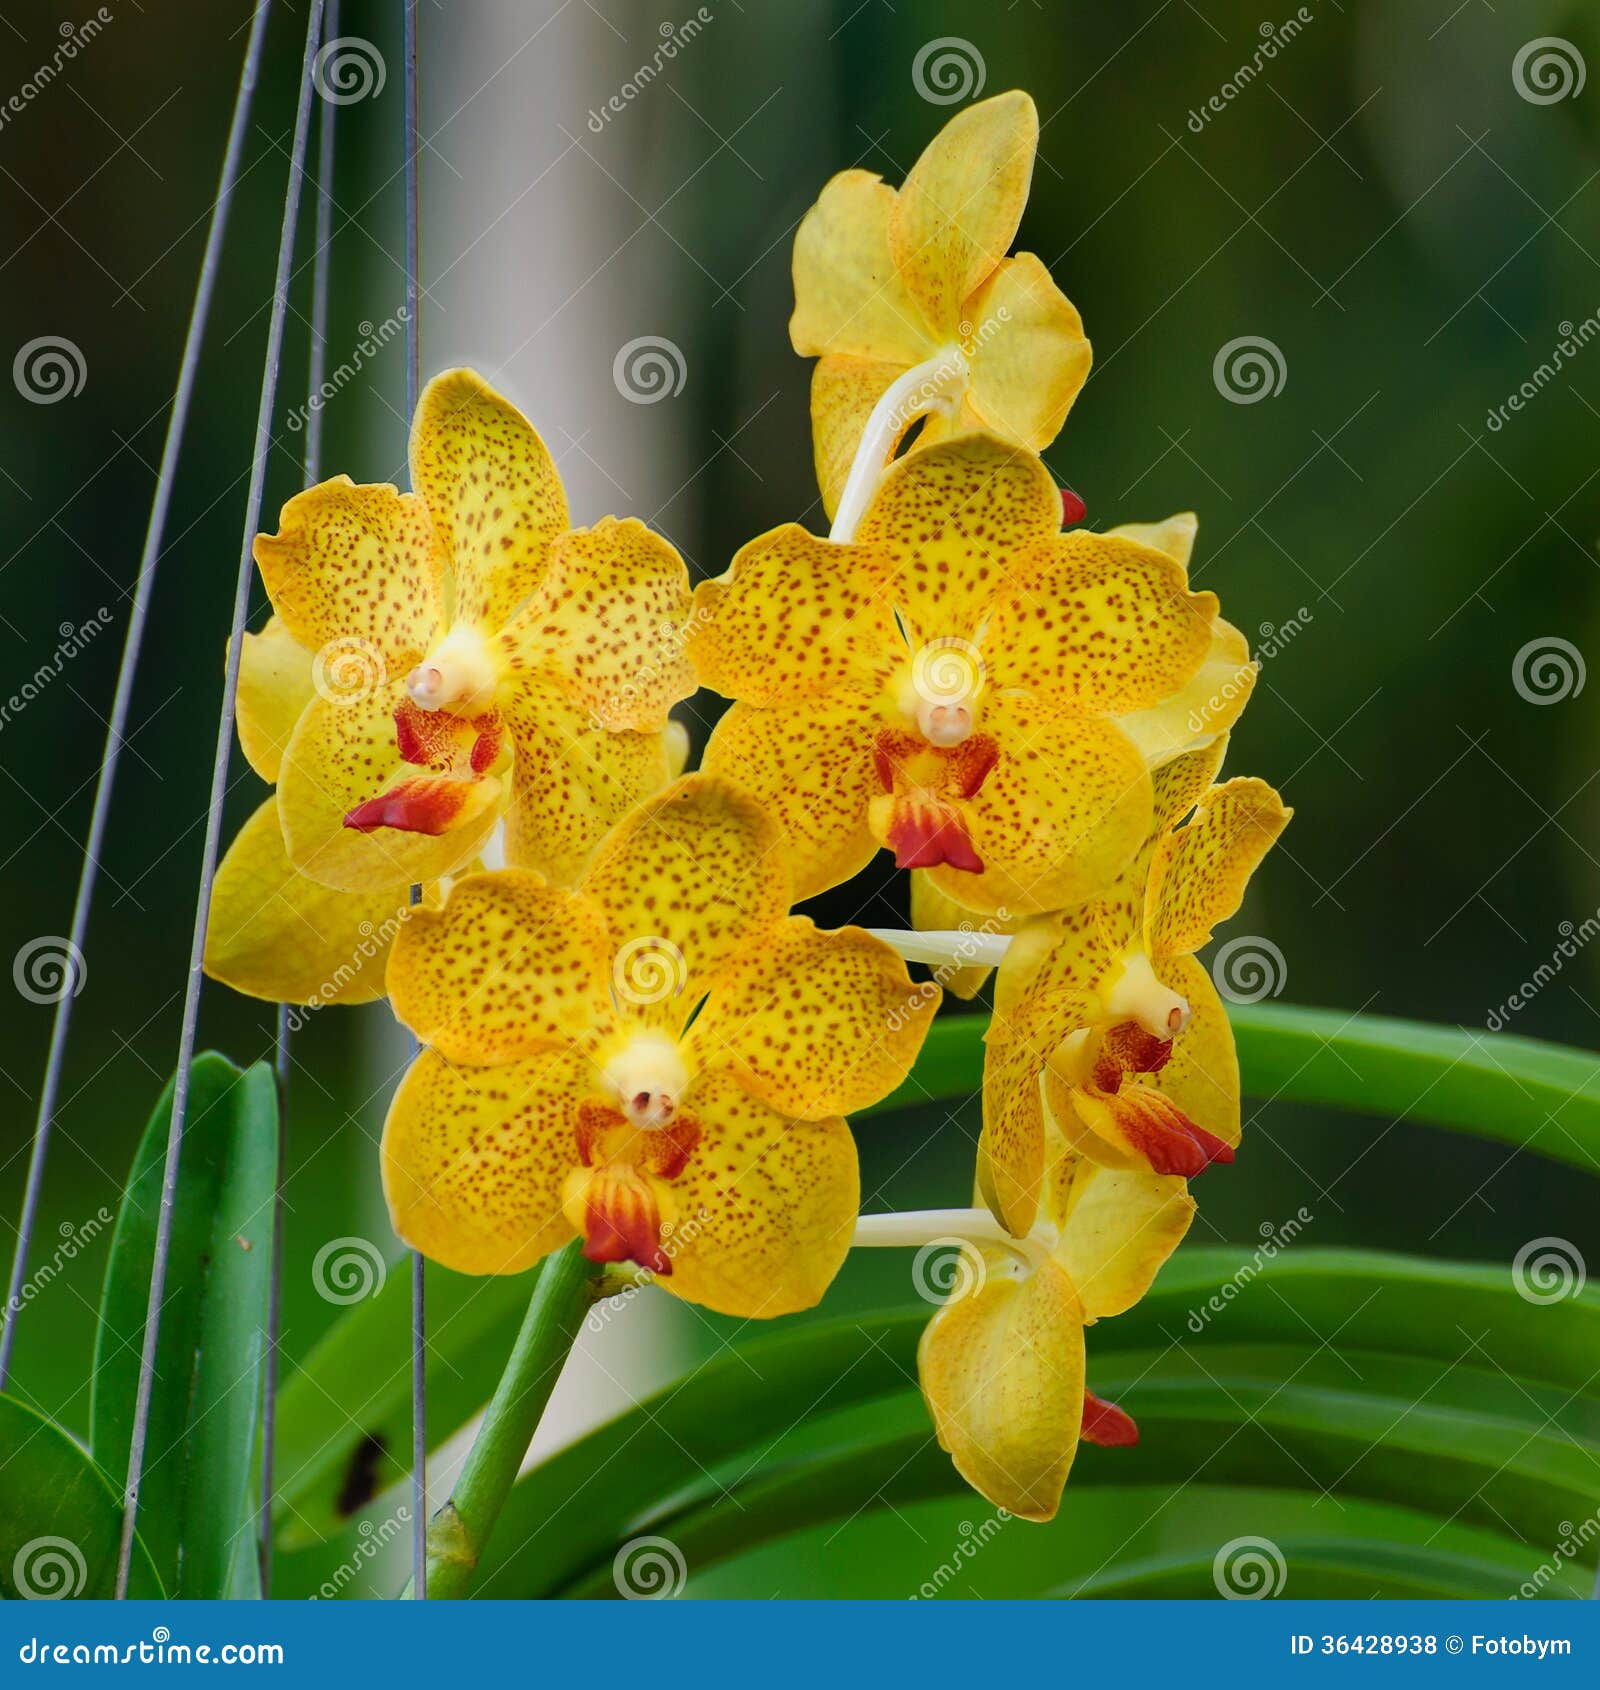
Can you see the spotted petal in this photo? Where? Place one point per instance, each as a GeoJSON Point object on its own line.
{"type": "Point", "coordinates": [794, 619]}
{"type": "Point", "coordinates": [1200, 872]}
{"type": "Point", "coordinates": [353, 569]}
{"type": "Point", "coordinates": [844, 391]}
{"type": "Point", "coordinates": [474, 1159]}
{"type": "Point", "coordinates": [493, 492]}
{"type": "Point", "coordinates": [766, 1206]}
{"type": "Point", "coordinates": [699, 871]}
{"type": "Point", "coordinates": [815, 1023]}
{"type": "Point", "coordinates": [812, 768]}
{"type": "Point", "coordinates": [508, 967]}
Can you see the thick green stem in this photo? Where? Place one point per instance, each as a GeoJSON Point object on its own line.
{"type": "Point", "coordinates": [459, 1531]}
{"type": "Point", "coordinates": [1539, 1097]}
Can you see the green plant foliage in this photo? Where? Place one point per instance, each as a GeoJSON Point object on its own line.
{"type": "Point", "coordinates": [1448, 1399]}
{"type": "Point", "coordinates": [60, 1516]}
{"type": "Point", "coordinates": [196, 1504]}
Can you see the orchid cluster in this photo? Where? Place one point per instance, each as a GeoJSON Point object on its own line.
{"type": "Point", "coordinates": [628, 1037]}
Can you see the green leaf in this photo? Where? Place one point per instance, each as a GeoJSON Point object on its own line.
{"type": "Point", "coordinates": [60, 1516]}
{"type": "Point", "coordinates": [331, 1463]}
{"type": "Point", "coordinates": [1448, 1395]}
{"type": "Point", "coordinates": [196, 1507]}
{"type": "Point", "coordinates": [1539, 1097]}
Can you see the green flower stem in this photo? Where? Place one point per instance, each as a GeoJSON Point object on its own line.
{"type": "Point", "coordinates": [1539, 1097]}
{"type": "Point", "coordinates": [459, 1531]}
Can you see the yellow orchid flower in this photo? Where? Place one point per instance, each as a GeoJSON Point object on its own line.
{"type": "Point", "coordinates": [1106, 1030]}
{"type": "Point", "coordinates": [1208, 706]}
{"type": "Point", "coordinates": [658, 1062]}
{"type": "Point", "coordinates": [444, 657]}
{"type": "Point", "coordinates": [911, 307]}
{"type": "Point", "coordinates": [963, 684]}
{"type": "Point", "coordinates": [1002, 1364]}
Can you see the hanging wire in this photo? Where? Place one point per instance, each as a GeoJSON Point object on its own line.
{"type": "Point", "coordinates": [219, 787]}
{"type": "Point", "coordinates": [419, 1318]}
{"type": "Point", "coordinates": [316, 369]}
{"type": "Point", "coordinates": [155, 531]}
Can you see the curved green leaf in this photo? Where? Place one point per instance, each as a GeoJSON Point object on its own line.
{"type": "Point", "coordinates": [196, 1509]}
{"type": "Point", "coordinates": [60, 1517]}
{"type": "Point", "coordinates": [1539, 1097]}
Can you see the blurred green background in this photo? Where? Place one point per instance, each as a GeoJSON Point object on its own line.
{"type": "Point", "coordinates": [1411, 235]}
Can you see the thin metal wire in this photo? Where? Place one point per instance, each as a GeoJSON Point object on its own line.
{"type": "Point", "coordinates": [219, 787]}
{"type": "Point", "coordinates": [316, 369]}
{"type": "Point", "coordinates": [155, 532]}
{"type": "Point", "coordinates": [419, 1313]}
